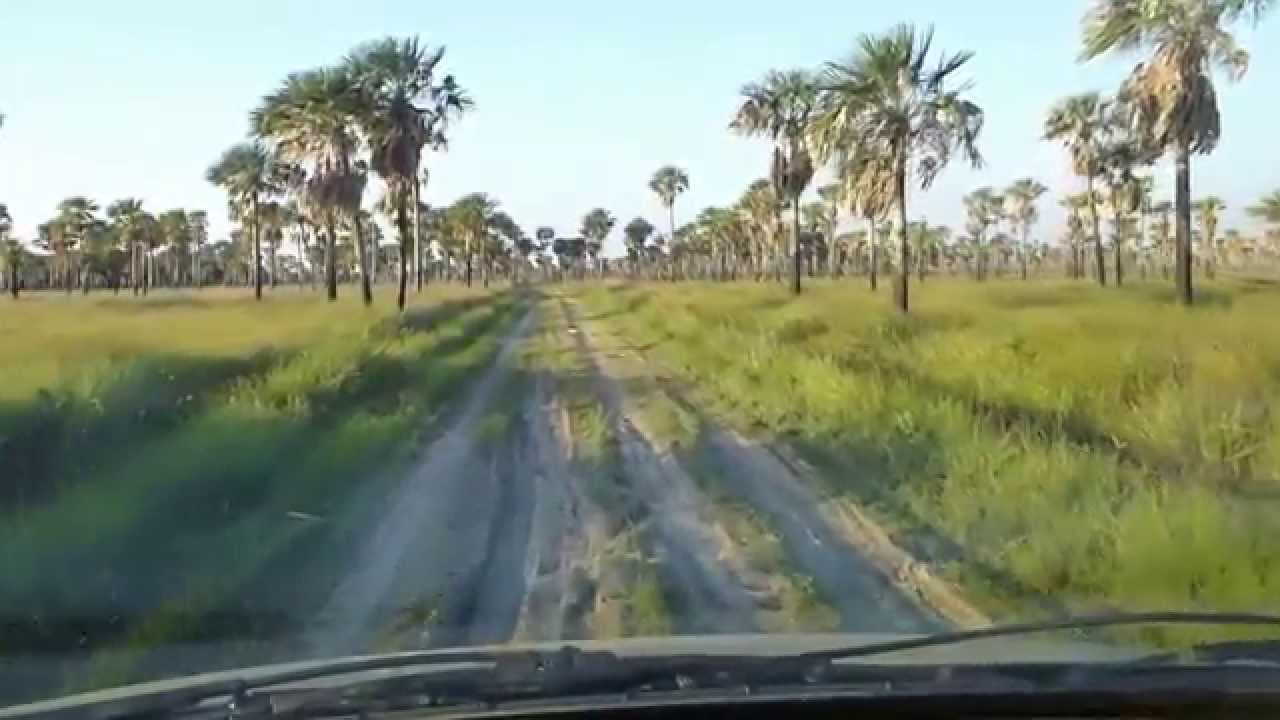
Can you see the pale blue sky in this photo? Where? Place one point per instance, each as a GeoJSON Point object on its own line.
{"type": "Point", "coordinates": [577, 101]}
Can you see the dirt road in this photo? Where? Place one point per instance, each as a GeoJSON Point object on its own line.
{"type": "Point", "coordinates": [499, 533]}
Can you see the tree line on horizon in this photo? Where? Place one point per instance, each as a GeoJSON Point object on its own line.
{"type": "Point", "coordinates": [891, 115]}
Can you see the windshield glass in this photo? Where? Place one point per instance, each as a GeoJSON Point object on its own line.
{"type": "Point", "coordinates": [666, 320]}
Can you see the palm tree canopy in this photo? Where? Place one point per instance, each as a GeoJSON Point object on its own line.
{"type": "Point", "coordinates": [1021, 199]}
{"type": "Point", "coordinates": [778, 106]}
{"type": "Point", "coordinates": [1172, 92]}
{"type": "Point", "coordinates": [887, 109]}
{"type": "Point", "coordinates": [597, 224]}
{"type": "Point", "coordinates": [1079, 122]}
{"type": "Point", "coordinates": [404, 107]}
{"type": "Point", "coordinates": [247, 170]}
{"type": "Point", "coordinates": [669, 182]}
{"type": "Point", "coordinates": [637, 232]}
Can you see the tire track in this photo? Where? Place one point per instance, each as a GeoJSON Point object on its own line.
{"type": "Point", "coordinates": [866, 598]}
{"type": "Point", "coordinates": [710, 592]}
{"type": "Point", "coordinates": [424, 564]}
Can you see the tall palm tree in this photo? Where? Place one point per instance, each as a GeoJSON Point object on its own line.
{"type": "Point", "coordinates": [1172, 91]}
{"type": "Point", "coordinates": [831, 196]}
{"type": "Point", "coordinates": [780, 107]}
{"type": "Point", "coordinates": [311, 120]}
{"type": "Point", "coordinates": [1021, 198]}
{"type": "Point", "coordinates": [759, 204]}
{"type": "Point", "coordinates": [1162, 228]}
{"type": "Point", "coordinates": [403, 110]}
{"type": "Point", "coordinates": [596, 226]}
{"type": "Point", "coordinates": [983, 210]}
{"type": "Point", "coordinates": [10, 248]}
{"type": "Point", "coordinates": [249, 173]}
{"type": "Point", "coordinates": [471, 217]}
{"type": "Point", "coordinates": [1119, 157]}
{"type": "Point", "coordinates": [199, 222]}
{"type": "Point", "coordinates": [75, 218]}
{"type": "Point", "coordinates": [668, 183]}
{"type": "Point", "coordinates": [887, 116]}
{"type": "Point", "coordinates": [1210, 210]}
{"type": "Point", "coordinates": [636, 236]}
{"type": "Point", "coordinates": [126, 214]}
{"type": "Point", "coordinates": [1079, 122]}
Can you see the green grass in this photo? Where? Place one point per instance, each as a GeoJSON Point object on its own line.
{"type": "Point", "coordinates": [198, 477]}
{"type": "Point", "coordinates": [1057, 446]}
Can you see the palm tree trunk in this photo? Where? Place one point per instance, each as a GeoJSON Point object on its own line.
{"type": "Point", "coordinates": [402, 226]}
{"type": "Point", "coordinates": [362, 252]}
{"type": "Point", "coordinates": [467, 251]}
{"type": "Point", "coordinates": [875, 252]}
{"type": "Point", "coordinates": [133, 267]}
{"type": "Point", "coordinates": [795, 240]}
{"type": "Point", "coordinates": [417, 232]}
{"type": "Point", "coordinates": [1099, 258]}
{"type": "Point", "coordinates": [1182, 228]}
{"type": "Point", "coordinates": [257, 252]}
{"type": "Point", "coordinates": [301, 243]}
{"type": "Point", "coordinates": [1026, 232]}
{"type": "Point", "coordinates": [901, 294]}
{"type": "Point", "coordinates": [1119, 254]}
{"type": "Point", "coordinates": [331, 260]}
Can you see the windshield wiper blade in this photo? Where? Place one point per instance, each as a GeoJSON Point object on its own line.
{"type": "Point", "coordinates": [1081, 622]}
{"type": "Point", "coordinates": [1259, 651]}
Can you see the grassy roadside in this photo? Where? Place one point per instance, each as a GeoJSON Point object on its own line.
{"type": "Point", "coordinates": [1055, 446]}
{"type": "Point", "coordinates": [221, 524]}
{"type": "Point", "coordinates": [626, 596]}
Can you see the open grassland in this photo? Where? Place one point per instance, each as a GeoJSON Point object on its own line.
{"type": "Point", "coordinates": [1053, 447]}
{"type": "Point", "coordinates": [179, 469]}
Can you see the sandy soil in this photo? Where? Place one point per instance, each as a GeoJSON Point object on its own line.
{"type": "Point", "coordinates": [866, 598]}
{"type": "Point", "coordinates": [420, 567]}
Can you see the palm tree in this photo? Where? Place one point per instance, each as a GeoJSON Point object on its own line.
{"type": "Point", "coordinates": [1124, 193]}
{"type": "Point", "coordinates": [1172, 92]}
{"type": "Point", "coordinates": [471, 216]}
{"type": "Point", "coordinates": [984, 210]}
{"type": "Point", "coordinates": [635, 235]}
{"type": "Point", "coordinates": [250, 174]}
{"type": "Point", "coordinates": [759, 204]}
{"type": "Point", "coordinates": [1021, 197]}
{"type": "Point", "coordinates": [1162, 228]}
{"type": "Point", "coordinates": [830, 194]}
{"type": "Point", "coordinates": [310, 120]}
{"type": "Point", "coordinates": [403, 110]}
{"type": "Point", "coordinates": [596, 226]}
{"type": "Point", "coordinates": [887, 116]}
{"type": "Point", "coordinates": [75, 217]}
{"type": "Point", "coordinates": [199, 222]}
{"type": "Point", "coordinates": [10, 248]}
{"type": "Point", "coordinates": [1210, 210]}
{"type": "Point", "coordinates": [780, 107]}
{"type": "Point", "coordinates": [126, 214]}
{"type": "Point", "coordinates": [668, 183]}
{"type": "Point", "coordinates": [1080, 122]}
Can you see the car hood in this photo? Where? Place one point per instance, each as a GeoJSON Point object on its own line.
{"type": "Point", "coordinates": [986, 651]}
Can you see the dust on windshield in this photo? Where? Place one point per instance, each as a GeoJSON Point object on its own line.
{"type": "Point", "coordinates": [901, 339]}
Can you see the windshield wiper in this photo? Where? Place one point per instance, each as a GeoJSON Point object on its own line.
{"type": "Point", "coordinates": [1081, 622]}
{"type": "Point", "coordinates": [445, 678]}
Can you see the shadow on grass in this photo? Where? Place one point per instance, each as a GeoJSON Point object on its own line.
{"type": "Point", "coordinates": [193, 493]}
{"type": "Point", "coordinates": [66, 435]}
{"type": "Point", "coordinates": [867, 470]}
